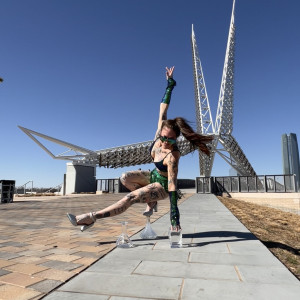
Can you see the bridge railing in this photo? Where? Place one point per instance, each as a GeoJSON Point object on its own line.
{"type": "Point", "coordinates": [247, 184]}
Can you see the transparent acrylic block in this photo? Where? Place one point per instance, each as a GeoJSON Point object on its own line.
{"type": "Point", "coordinates": [175, 238]}
{"type": "Point", "coordinates": [148, 233]}
{"type": "Point", "coordinates": [123, 240]}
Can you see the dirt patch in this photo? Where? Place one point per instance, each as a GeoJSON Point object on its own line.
{"type": "Point", "coordinates": [279, 231]}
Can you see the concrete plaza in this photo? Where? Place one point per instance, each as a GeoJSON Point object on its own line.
{"type": "Point", "coordinates": [43, 256]}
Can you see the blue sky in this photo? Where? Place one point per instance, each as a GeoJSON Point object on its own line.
{"type": "Point", "coordinates": [92, 73]}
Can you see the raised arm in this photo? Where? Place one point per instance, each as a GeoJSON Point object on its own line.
{"type": "Point", "coordinates": [165, 102]}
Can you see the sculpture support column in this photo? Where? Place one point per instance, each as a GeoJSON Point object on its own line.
{"type": "Point", "coordinates": [80, 178]}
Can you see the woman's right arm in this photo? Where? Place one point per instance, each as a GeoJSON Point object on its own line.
{"type": "Point", "coordinates": [164, 105]}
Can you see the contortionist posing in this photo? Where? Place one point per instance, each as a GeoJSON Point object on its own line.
{"type": "Point", "coordinates": [150, 187]}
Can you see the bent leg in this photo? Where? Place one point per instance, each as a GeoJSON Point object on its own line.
{"type": "Point", "coordinates": [151, 193]}
{"type": "Point", "coordinates": [147, 194]}
{"type": "Point", "coordinates": [134, 180]}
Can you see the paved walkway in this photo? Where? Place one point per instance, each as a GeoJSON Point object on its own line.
{"type": "Point", "coordinates": [40, 249]}
{"type": "Point", "coordinates": [220, 259]}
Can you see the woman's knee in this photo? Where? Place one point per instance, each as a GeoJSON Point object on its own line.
{"type": "Point", "coordinates": [123, 178]}
{"type": "Point", "coordinates": [126, 178]}
{"type": "Point", "coordinates": [134, 179]}
{"type": "Point", "coordinates": [157, 192]}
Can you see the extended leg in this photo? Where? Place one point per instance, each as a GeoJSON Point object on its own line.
{"type": "Point", "coordinates": [147, 194]}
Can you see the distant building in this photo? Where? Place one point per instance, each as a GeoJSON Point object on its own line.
{"type": "Point", "coordinates": [290, 156]}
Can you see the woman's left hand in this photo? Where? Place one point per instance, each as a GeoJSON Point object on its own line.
{"type": "Point", "coordinates": [176, 228]}
{"type": "Point", "coordinates": [169, 72]}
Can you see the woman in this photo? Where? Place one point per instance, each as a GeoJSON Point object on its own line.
{"type": "Point", "coordinates": [150, 187]}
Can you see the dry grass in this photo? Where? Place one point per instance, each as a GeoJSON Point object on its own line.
{"type": "Point", "coordinates": [278, 230]}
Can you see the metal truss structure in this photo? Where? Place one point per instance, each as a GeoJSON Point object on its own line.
{"type": "Point", "coordinates": [122, 156]}
{"type": "Point", "coordinates": [138, 154]}
{"type": "Point", "coordinates": [222, 130]}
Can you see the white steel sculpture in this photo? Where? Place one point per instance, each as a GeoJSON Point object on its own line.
{"type": "Point", "coordinates": [137, 154]}
{"type": "Point", "coordinates": [222, 130]}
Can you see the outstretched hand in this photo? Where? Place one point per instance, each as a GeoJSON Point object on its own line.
{"type": "Point", "coordinates": [169, 72]}
{"type": "Point", "coordinates": [176, 228]}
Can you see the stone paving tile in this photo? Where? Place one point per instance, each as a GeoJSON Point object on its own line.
{"type": "Point", "coordinates": [28, 260]}
{"type": "Point", "coordinates": [55, 274]}
{"type": "Point", "coordinates": [4, 263]}
{"type": "Point", "coordinates": [183, 270]}
{"type": "Point", "coordinates": [61, 265]}
{"type": "Point", "coordinates": [9, 292]}
{"type": "Point", "coordinates": [90, 249]}
{"type": "Point", "coordinates": [146, 255]}
{"type": "Point", "coordinates": [67, 246]}
{"type": "Point", "coordinates": [232, 259]}
{"type": "Point", "coordinates": [46, 286]}
{"type": "Point", "coordinates": [22, 280]}
{"type": "Point", "coordinates": [88, 254]}
{"type": "Point", "coordinates": [38, 253]}
{"type": "Point", "coordinates": [36, 247]}
{"type": "Point", "coordinates": [78, 296]}
{"type": "Point", "coordinates": [62, 257]}
{"type": "Point", "coordinates": [12, 249]}
{"type": "Point", "coordinates": [195, 289]}
{"type": "Point", "coordinates": [124, 285]}
{"type": "Point", "coordinates": [26, 268]}
{"type": "Point", "coordinates": [15, 244]}
{"type": "Point", "coordinates": [6, 255]}
{"type": "Point", "coordinates": [115, 266]}
{"type": "Point", "coordinates": [58, 250]}
{"type": "Point", "coordinates": [85, 261]}
{"type": "Point", "coordinates": [272, 275]}
{"type": "Point", "coordinates": [4, 272]}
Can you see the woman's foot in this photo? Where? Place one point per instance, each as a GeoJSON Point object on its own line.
{"type": "Point", "coordinates": [86, 220]}
{"type": "Point", "coordinates": [149, 209]}
{"type": "Point", "coordinates": [148, 213]}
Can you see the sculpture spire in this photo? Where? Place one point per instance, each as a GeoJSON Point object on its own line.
{"type": "Point", "coordinates": [204, 119]}
{"type": "Point", "coordinates": [231, 151]}
{"type": "Point", "coordinates": [224, 117]}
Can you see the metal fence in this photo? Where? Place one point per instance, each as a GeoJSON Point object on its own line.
{"type": "Point", "coordinates": [108, 185]}
{"type": "Point", "coordinates": [247, 184]}
{"type": "Point", "coordinates": [114, 185]}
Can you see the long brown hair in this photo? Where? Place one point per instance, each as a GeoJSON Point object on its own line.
{"type": "Point", "coordinates": [180, 125]}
